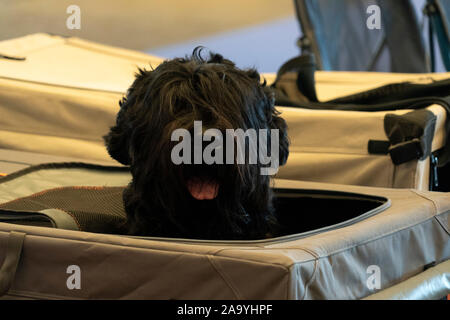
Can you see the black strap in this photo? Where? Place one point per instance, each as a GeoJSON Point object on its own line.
{"type": "Point", "coordinates": [430, 10]}
{"type": "Point", "coordinates": [379, 146]}
{"type": "Point", "coordinates": [406, 151]}
{"type": "Point", "coordinates": [305, 67]}
{"type": "Point", "coordinates": [11, 262]}
{"type": "Point", "coordinates": [411, 135]}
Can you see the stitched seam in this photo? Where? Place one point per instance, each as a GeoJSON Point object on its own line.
{"type": "Point", "coordinates": [442, 225]}
{"type": "Point", "coordinates": [146, 248]}
{"type": "Point", "coordinates": [313, 276]}
{"type": "Point", "coordinates": [311, 252]}
{"type": "Point", "coordinates": [426, 198]}
{"type": "Point", "coordinates": [225, 278]}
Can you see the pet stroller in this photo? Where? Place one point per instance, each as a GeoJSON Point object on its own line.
{"type": "Point", "coordinates": [46, 228]}
{"type": "Point", "coordinates": [399, 143]}
{"type": "Point", "coordinates": [397, 125]}
{"type": "Point", "coordinates": [345, 35]}
{"type": "Point", "coordinates": [347, 242]}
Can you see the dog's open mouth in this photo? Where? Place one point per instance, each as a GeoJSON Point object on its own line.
{"type": "Point", "coordinates": [202, 188]}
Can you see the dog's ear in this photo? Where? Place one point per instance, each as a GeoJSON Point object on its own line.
{"type": "Point", "coordinates": [280, 124]}
{"type": "Point", "coordinates": [117, 141]}
{"type": "Point", "coordinates": [277, 122]}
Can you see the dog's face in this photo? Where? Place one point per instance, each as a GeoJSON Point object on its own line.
{"type": "Point", "coordinates": [216, 201]}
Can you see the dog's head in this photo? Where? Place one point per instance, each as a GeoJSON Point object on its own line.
{"type": "Point", "coordinates": [174, 98]}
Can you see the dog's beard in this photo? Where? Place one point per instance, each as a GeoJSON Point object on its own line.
{"type": "Point", "coordinates": [200, 202]}
{"type": "Point", "coordinates": [203, 188]}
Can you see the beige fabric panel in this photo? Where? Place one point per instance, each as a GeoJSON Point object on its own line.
{"type": "Point", "coordinates": [74, 62]}
{"type": "Point", "coordinates": [344, 275]}
{"type": "Point", "coordinates": [76, 148]}
{"type": "Point", "coordinates": [333, 131]}
{"type": "Point", "coordinates": [149, 274]}
{"type": "Point", "coordinates": [413, 174]}
{"type": "Point", "coordinates": [344, 168]}
{"type": "Point", "coordinates": [56, 120]}
{"type": "Point", "coordinates": [56, 111]}
{"type": "Point", "coordinates": [63, 110]}
{"type": "Point", "coordinates": [332, 146]}
{"type": "Point", "coordinates": [329, 265]}
{"type": "Point", "coordinates": [360, 170]}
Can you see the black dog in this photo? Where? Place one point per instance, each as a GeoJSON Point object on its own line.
{"type": "Point", "coordinates": [216, 201]}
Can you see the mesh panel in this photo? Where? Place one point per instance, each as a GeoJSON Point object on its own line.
{"type": "Point", "coordinates": [344, 40]}
{"type": "Point", "coordinates": [341, 40]}
{"type": "Point", "coordinates": [96, 209]}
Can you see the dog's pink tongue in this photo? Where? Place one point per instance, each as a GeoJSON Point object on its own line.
{"type": "Point", "coordinates": [202, 189]}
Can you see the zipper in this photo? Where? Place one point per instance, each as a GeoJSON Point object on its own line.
{"type": "Point", "coordinates": [412, 103]}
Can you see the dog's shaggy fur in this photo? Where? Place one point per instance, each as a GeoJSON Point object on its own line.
{"type": "Point", "coordinates": [174, 95]}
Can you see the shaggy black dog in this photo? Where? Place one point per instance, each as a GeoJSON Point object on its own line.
{"type": "Point", "coordinates": [199, 201]}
